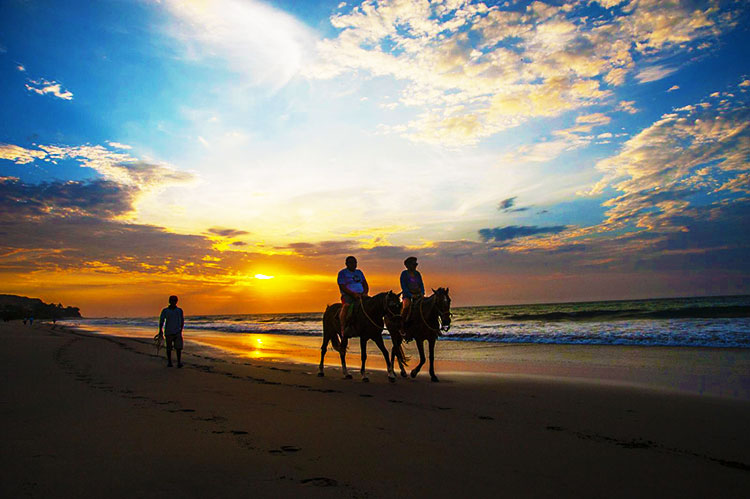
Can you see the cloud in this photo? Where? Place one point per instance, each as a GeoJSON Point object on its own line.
{"type": "Point", "coordinates": [59, 226]}
{"type": "Point", "coordinates": [115, 166]}
{"type": "Point", "coordinates": [653, 73]}
{"type": "Point", "coordinates": [502, 234]}
{"type": "Point", "coordinates": [46, 87]}
{"type": "Point", "coordinates": [507, 204]}
{"type": "Point", "coordinates": [561, 141]}
{"type": "Point", "coordinates": [227, 232]}
{"type": "Point", "coordinates": [627, 106]}
{"type": "Point", "coordinates": [471, 70]}
{"type": "Point", "coordinates": [673, 88]}
{"type": "Point", "coordinates": [118, 145]}
{"type": "Point", "coordinates": [660, 172]}
{"type": "Point", "coordinates": [20, 155]}
{"type": "Point", "coordinates": [594, 119]}
{"type": "Point", "coordinates": [99, 198]}
{"type": "Point", "coordinates": [265, 45]}
{"type": "Point", "coordinates": [323, 248]}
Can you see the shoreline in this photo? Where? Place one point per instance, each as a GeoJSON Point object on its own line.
{"type": "Point", "coordinates": [96, 414]}
{"type": "Point", "coordinates": [703, 371]}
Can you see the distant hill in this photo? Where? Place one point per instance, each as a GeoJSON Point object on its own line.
{"type": "Point", "coordinates": [19, 307]}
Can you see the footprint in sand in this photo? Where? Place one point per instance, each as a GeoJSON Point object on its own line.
{"type": "Point", "coordinates": [320, 481]}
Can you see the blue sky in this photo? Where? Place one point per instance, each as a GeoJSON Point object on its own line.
{"type": "Point", "coordinates": [384, 128]}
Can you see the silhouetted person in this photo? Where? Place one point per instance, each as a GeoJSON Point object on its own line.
{"type": "Point", "coordinates": [31, 320]}
{"type": "Point", "coordinates": [172, 330]}
{"type": "Point", "coordinates": [353, 286]}
{"type": "Point", "coordinates": [412, 288]}
{"type": "Point", "coordinates": [24, 321]}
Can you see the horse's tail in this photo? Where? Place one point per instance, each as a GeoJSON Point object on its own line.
{"type": "Point", "coordinates": [332, 329]}
{"type": "Point", "coordinates": [335, 341]}
{"type": "Point", "coordinates": [402, 353]}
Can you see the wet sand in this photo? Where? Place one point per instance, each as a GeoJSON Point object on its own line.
{"type": "Point", "coordinates": [94, 414]}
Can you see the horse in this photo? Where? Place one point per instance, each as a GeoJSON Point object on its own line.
{"type": "Point", "coordinates": [369, 316]}
{"type": "Point", "coordinates": [430, 317]}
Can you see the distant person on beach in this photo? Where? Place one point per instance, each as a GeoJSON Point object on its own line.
{"type": "Point", "coordinates": [412, 287]}
{"type": "Point", "coordinates": [172, 331]}
{"type": "Point", "coordinates": [31, 320]}
{"type": "Point", "coordinates": [353, 286]}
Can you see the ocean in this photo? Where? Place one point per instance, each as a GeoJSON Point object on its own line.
{"type": "Point", "coordinates": [722, 321]}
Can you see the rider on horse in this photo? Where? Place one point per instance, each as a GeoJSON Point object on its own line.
{"type": "Point", "coordinates": [412, 288]}
{"type": "Point", "coordinates": [353, 286]}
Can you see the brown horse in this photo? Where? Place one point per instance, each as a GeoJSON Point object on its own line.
{"type": "Point", "coordinates": [369, 317]}
{"type": "Point", "coordinates": [429, 318]}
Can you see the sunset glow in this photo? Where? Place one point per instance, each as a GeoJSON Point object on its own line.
{"type": "Point", "coordinates": [234, 152]}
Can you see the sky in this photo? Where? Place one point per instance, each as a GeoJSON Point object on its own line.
{"type": "Point", "coordinates": [234, 152]}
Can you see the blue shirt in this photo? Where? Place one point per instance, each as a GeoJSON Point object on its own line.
{"type": "Point", "coordinates": [174, 319]}
{"type": "Point", "coordinates": [353, 280]}
{"type": "Point", "coordinates": [411, 284]}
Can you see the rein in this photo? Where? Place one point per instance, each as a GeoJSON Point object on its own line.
{"type": "Point", "coordinates": [440, 312]}
{"type": "Point", "coordinates": [385, 308]}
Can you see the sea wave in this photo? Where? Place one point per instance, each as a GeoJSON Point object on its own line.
{"type": "Point", "coordinates": [731, 311]}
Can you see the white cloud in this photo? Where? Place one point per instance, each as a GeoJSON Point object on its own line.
{"type": "Point", "coordinates": [691, 150]}
{"type": "Point", "coordinates": [46, 87]}
{"type": "Point", "coordinates": [627, 106]}
{"type": "Point", "coordinates": [653, 73]}
{"type": "Point", "coordinates": [118, 145]}
{"type": "Point", "coordinates": [673, 88]}
{"type": "Point", "coordinates": [266, 45]}
{"type": "Point", "coordinates": [115, 166]}
{"type": "Point", "coordinates": [20, 155]}
{"type": "Point", "coordinates": [514, 66]}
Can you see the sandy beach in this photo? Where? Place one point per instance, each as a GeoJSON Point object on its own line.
{"type": "Point", "coordinates": [86, 413]}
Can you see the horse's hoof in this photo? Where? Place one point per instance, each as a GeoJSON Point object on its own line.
{"type": "Point", "coordinates": [320, 374]}
{"type": "Point", "coordinates": [347, 376]}
{"type": "Point", "coordinates": [414, 374]}
{"type": "Point", "coordinates": [365, 380]}
{"type": "Point", "coordinates": [392, 379]}
{"type": "Point", "coordinates": [404, 375]}
{"type": "Point", "coordinates": [434, 379]}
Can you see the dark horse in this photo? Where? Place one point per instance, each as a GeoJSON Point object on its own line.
{"type": "Point", "coordinates": [369, 317]}
{"type": "Point", "coordinates": [429, 317]}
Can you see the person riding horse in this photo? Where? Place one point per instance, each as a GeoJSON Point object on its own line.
{"type": "Point", "coordinates": [353, 287]}
{"type": "Point", "coordinates": [412, 289]}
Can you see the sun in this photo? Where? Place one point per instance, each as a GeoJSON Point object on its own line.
{"type": "Point", "coordinates": [263, 276]}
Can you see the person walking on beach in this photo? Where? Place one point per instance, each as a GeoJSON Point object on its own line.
{"type": "Point", "coordinates": [412, 288]}
{"type": "Point", "coordinates": [353, 286]}
{"type": "Point", "coordinates": [172, 331]}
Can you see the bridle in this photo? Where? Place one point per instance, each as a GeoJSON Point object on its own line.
{"type": "Point", "coordinates": [441, 327]}
{"type": "Point", "coordinates": [386, 314]}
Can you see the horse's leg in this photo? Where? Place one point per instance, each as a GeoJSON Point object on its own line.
{"type": "Point", "coordinates": [420, 348]}
{"type": "Point", "coordinates": [431, 342]}
{"type": "Point", "coordinates": [323, 350]}
{"type": "Point", "coordinates": [396, 355]}
{"type": "Point", "coordinates": [401, 355]}
{"type": "Point", "coordinates": [342, 352]}
{"type": "Point", "coordinates": [363, 351]}
{"type": "Point", "coordinates": [388, 362]}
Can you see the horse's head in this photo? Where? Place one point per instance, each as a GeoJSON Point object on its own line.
{"type": "Point", "coordinates": [443, 305]}
{"type": "Point", "coordinates": [392, 312]}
